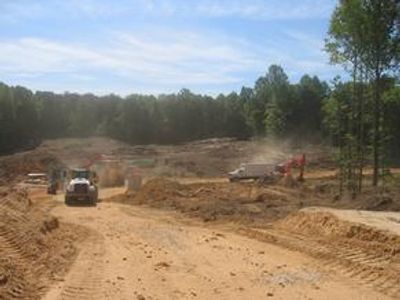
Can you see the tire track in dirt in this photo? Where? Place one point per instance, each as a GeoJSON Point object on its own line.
{"type": "Point", "coordinates": [372, 270]}
{"type": "Point", "coordinates": [14, 274]}
{"type": "Point", "coordinates": [85, 279]}
{"type": "Point", "coordinates": [16, 249]}
{"type": "Point", "coordinates": [34, 249]}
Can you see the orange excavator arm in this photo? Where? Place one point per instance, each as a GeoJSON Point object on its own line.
{"type": "Point", "coordinates": [296, 162]}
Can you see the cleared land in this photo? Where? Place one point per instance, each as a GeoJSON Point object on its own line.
{"type": "Point", "coordinates": [190, 234]}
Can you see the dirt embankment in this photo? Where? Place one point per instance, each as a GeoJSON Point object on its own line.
{"type": "Point", "coordinates": [325, 225]}
{"type": "Point", "coordinates": [34, 248]}
{"type": "Point", "coordinates": [241, 203]}
{"type": "Point", "coordinates": [14, 167]}
{"type": "Point", "coordinates": [249, 202]}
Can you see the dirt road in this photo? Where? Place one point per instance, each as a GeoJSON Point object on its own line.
{"type": "Point", "coordinates": [140, 253]}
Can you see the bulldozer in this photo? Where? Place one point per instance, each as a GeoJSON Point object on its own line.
{"type": "Point", "coordinates": [82, 187]}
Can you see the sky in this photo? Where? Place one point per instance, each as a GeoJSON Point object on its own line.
{"type": "Point", "coordinates": [160, 46]}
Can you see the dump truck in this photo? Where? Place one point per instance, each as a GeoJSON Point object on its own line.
{"type": "Point", "coordinates": [267, 171]}
{"type": "Point", "coordinates": [251, 171]}
{"type": "Point", "coordinates": [82, 188]}
{"type": "Point", "coordinates": [57, 179]}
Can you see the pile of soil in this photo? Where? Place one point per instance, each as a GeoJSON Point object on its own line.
{"type": "Point", "coordinates": [238, 202]}
{"type": "Point", "coordinates": [14, 167]}
{"type": "Point", "coordinates": [160, 190]}
{"type": "Point", "coordinates": [34, 248]}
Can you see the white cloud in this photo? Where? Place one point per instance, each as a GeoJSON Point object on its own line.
{"type": "Point", "coordinates": [165, 57]}
{"type": "Point", "coordinates": [154, 58]}
{"type": "Point", "coordinates": [158, 60]}
{"type": "Point", "coordinates": [246, 9]}
{"type": "Point", "coordinates": [265, 9]}
{"type": "Point", "coordinates": [299, 53]}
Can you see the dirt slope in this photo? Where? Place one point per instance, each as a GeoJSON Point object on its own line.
{"type": "Point", "coordinates": [385, 221]}
{"type": "Point", "coordinates": [34, 248]}
{"type": "Point", "coordinates": [14, 167]}
{"type": "Point", "coordinates": [214, 201]}
{"type": "Point", "coordinates": [139, 253]}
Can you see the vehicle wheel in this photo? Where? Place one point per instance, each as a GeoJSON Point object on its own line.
{"type": "Point", "coordinates": [91, 201]}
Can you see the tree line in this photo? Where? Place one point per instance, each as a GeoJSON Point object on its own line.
{"type": "Point", "coordinates": [272, 107]}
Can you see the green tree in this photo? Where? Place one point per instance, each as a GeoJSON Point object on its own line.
{"type": "Point", "coordinates": [279, 100]}
{"type": "Point", "coordinates": [365, 35]}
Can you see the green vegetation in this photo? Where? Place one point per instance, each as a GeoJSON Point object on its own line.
{"type": "Point", "coordinates": [364, 37]}
{"type": "Point", "coordinates": [273, 106]}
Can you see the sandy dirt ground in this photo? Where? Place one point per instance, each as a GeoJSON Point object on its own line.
{"type": "Point", "coordinates": [141, 253]}
{"type": "Point", "coordinates": [188, 233]}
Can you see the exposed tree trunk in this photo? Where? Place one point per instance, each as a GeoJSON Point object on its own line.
{"type": "Point", "coordinates": [361, 141]}
{"type": "Point", "coordinates": [377, 124]}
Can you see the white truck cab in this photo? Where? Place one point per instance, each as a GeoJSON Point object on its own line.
{"type": "Point", "coordinates": [81, 188]}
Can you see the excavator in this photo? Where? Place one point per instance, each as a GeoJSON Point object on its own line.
{"type": "Point", "coordinates": [299, 162]}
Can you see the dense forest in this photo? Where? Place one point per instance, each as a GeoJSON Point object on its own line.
{"type": "Point", "coordinates": [358, 116]}
{"type": "Point", "coordinates": [306, 110]}
{"type": "Point", "coordinates": [273, 107]}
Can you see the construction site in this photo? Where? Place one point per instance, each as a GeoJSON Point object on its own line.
{"type": "Point", "coordinates": [176, 222]}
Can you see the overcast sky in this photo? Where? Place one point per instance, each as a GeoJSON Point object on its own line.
{"type": "Point", "coordinates": [160, 46]}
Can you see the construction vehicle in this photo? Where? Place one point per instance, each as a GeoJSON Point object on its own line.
{"type": "Point", "coordinates": [82, 188]}
{"type": "Point", "coordinates": [37, 179]}
{"type": "Point", "coordinates": [251, 171]}
{"type": "Point", "coordinates": [52, 187]}
{"type": "Point", "coordinates": [267, 171]}
{"type": "Point", "coordinates": [298, 162]}
{"type": "Point", "coordinates": [56, 180]}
